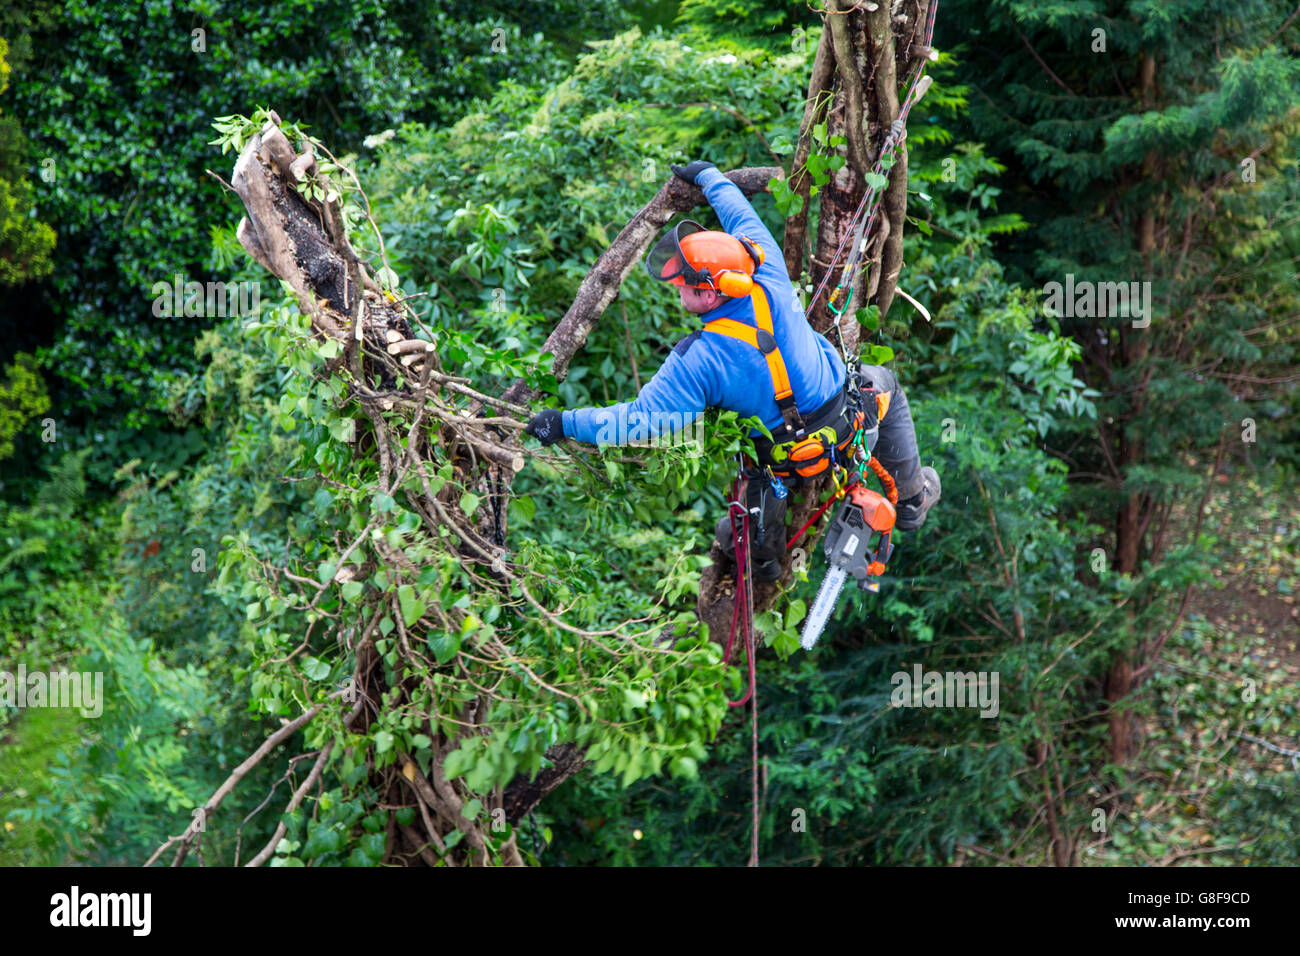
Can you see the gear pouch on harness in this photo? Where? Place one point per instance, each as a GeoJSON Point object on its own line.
{"type": "Point", "coordinates": [831, 431]}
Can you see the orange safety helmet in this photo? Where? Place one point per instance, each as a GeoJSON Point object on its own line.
{"type": "Point", "coordinates": [691, 255]}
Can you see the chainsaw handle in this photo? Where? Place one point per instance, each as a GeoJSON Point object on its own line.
{"type": "Point", "coordinates": [876, 508]}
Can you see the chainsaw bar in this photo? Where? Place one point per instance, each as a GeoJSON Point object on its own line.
{"type": "Point", "coordinates": [849, 551]}
{"type": "Point", "coordinates": [828, 595]}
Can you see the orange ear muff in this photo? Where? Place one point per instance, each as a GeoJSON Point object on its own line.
{"type": "Point", "coordinates": [735, 285]}
{"type": "Point", "coordinates": [754, 249]}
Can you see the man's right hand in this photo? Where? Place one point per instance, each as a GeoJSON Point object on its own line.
{"type": "Point", "coordinates": [691, 170]}
{"type": "Point", "coordinates": [547, 426]}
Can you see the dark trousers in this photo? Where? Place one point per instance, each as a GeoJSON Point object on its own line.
{"type": "Point", "coordinates": [892, 440]}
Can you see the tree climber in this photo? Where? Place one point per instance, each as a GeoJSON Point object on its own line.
{"type": "Point", "coordinates": [763, 360]}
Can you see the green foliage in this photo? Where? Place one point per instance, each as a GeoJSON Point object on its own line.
{"type": "Point", "coordinates": [22, 398]}
{"type": "Point", "coordinates": [1177, 184]}
{"type": "Point", "coordinates": [490, 219]}
{"type": "Point", "coordinates": [54, 555]}
{"type": "Point", "coordinates": [32, 745]}
{"type": "Point", "coordinates": [25, 244]}
{"type": "Point", "coordinates": [146, 79]}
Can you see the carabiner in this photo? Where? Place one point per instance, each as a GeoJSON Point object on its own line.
{"type": "Point", "coordinates": [840, 484]}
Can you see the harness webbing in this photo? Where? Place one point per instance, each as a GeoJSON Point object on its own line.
{"type": "Point", "coordinates": [763, 338]}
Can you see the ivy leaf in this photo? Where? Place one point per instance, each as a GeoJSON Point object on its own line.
{"type": "Point", "coordinates": [445, 646]}
{"type": "Point", "coordinates": [525, 509]}
{"type": "Point", "coordinates": [315, 668]}
{"type": "Point", "coordinates": [383, 741]}
{"type": "Point", "coordinates": [795, 613]}
{"type": "Point", "coordinates": [634, 698]}
{"type": "Point", "coordinates": [457, 762]}
{"type": "Point", "coordinates": [469, 503]}
{"type": "Point", "coordinates": [684, 767]}
{"type": "Point", "coordinates": [412, 607]}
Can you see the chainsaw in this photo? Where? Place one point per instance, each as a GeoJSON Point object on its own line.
{"type": "Point", "coordinates": [849, 551]}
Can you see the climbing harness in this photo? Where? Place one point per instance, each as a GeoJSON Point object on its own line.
{"type": "Point", "coordinates": [801, 447]}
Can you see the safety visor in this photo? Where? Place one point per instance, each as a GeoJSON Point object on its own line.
{"type": "Point", "coordinates": [667, 263]}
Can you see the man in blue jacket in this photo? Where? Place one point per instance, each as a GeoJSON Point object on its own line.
{"type": "Point", "coordinates": [763, 360]}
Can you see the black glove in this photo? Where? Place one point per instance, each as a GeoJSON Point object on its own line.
{"type": "Point", "coordinates": [691, 170]}
{"type": "Point", "coordinates": [546, 426]}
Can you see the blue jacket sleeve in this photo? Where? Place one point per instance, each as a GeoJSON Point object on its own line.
{"type": "Point", "coordinates": [671, 401]}
{"type": "Point", "coordinates": [738, 218]}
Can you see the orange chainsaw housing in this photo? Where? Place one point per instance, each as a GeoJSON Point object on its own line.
{"type": "Point", "coordinates": [879, 514]}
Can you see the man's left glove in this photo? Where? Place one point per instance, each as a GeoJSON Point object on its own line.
{"type": "Point", "coordinates": [547, 426]}
{"type": "Point", "coordinates": [691, 170]}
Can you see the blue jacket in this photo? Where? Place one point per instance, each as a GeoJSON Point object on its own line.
{"type": "Point", "coordinates": [719, 371]}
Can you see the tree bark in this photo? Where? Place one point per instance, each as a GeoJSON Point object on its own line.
{"type": "Point", "coordinates": [1132, 517]}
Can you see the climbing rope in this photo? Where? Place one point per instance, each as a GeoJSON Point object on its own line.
{"type": "Point", "coordinates": [742, 614]}
{"type": "Point", "coordinates": [742, 618]}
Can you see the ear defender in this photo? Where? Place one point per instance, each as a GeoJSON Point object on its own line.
{"type": "Point", "coordinates": [735, 285]}
{"type": "Point", "coordinates": [754, 249]}
{"type": "Point", "coordinates": [690, 255]}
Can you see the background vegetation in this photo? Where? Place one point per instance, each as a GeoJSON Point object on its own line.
{"type": "Point", "coordinates": [501, 154]}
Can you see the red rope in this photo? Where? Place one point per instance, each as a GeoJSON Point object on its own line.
{"type": "Point", "coordinates": [743, 611]}
{"type": "Point", "coordinates": [753, 779]}
{"type": "Point", "coordinates": [820, 511]}
{"type": "Point", "coordinates": [743, 615]}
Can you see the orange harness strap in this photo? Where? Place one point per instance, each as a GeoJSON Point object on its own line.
{"type": "Point", "coordinates": [762, 338]}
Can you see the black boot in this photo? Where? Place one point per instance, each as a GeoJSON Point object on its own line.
{"type": "Point", "coordinates": [912, 512]}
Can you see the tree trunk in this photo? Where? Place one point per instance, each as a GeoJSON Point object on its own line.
{"type": "Point", "coordinates": [1132, 519]}
{"type": "Point", "coordinates": [859, 61]}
